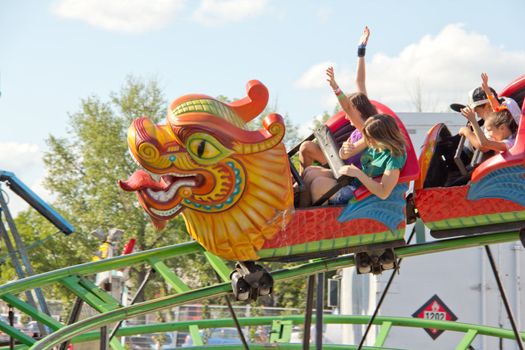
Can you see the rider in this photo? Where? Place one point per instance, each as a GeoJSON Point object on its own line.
{"type": "Point", "coordinates": [506, 102]}
{"type": "Point", "coordinates": [483, 101]}
{"type": "Point", "coordinates": [500, 129]}
{"type": "Point", "coordinates": [358, 107]}
{"type": "Point", "coordinates": [383, 153]}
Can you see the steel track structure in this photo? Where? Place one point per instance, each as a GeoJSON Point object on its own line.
{"type": "Point", "coordinates": [110, 311]}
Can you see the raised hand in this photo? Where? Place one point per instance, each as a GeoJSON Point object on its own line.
{"type": "Point", "coordinates": [485, 82]}
{"type": "Point", "coordinates": [364, 37]}
{"type": "Point", "coordinates": [469, 113]}
{"type": "Point", "coordinates": [331, 78]}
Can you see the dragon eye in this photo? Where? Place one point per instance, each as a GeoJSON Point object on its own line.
{"type": "Point", "coordinates": [205, 149]}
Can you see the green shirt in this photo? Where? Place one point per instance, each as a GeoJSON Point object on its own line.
{"type": "Point", "coordinates": [375, 163]}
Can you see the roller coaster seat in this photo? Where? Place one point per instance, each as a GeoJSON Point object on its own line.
{"type": "Point", "coordinates": [340, 129]}
{"type": "Point", "coordinates": [514, 156]}
{"type": "Point", "coordinates": [436, 160]}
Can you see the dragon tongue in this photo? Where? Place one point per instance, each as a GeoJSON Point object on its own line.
{"type": "Point", "coordinates": [141, 180]}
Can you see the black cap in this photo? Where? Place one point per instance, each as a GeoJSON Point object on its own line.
{"type": "Point", "coordinates": [476, 97]}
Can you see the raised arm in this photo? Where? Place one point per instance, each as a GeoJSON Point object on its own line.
{"type": "Point", "coordinates": [485, 86]}
{"type": "Point", "coordinates": [478, 138]}
{"type": "Point", "coordinates": [343, 101]}
{"type": "Point", "coordinates": [360, 77]}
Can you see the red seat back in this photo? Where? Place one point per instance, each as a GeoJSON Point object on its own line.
{"type": "Point", "coordinates": [411, 169]}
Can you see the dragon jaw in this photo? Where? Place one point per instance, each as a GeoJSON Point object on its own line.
{"type": "Point", "coordinates": [161, 195]}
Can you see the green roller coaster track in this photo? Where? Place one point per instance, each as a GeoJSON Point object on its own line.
{"type": "Point", "coordinates": [110, 311]}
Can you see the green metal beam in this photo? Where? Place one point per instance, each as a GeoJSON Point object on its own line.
{"type": "Point", "coordinates": [173, 280]}
{"type": "Point", "coordinates": [285, 346]}
{"type": "Point", "coordinates": [163, 253]}
{"type": "Point", "coordinates": [33, 312]}
{"type": "Point", "coordinates": [15, 333]}
{"type": "Point", "coordinates": [219, 266]}
{"type": "Point", "coordinates": [92, 299]}
{"type": "Point", "coordinates": [469, 329]}
{"type": "Point", "coordinates": [383, 333]}
{"type": "Point", "coordinates": [467, 340]}
{"type": "Point", "coordinates": [105, 297]}
{"type": "Point", "coordinates": [299, 319]}
{"type": "Point", "coordinates": [281, 331]}
{"type": "Point", "coordinates": [221, 289]}
{"type": "Point", "coordinates": [217, 290]}
{"type": "Point", "coordinates": [179, 286]}
{"type": "Point", "coordinates": [91, 268]}
{"type": "Point", "coordinates": [17, 347]}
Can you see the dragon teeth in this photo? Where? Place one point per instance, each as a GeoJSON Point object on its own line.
{"type": "Point", "coordinates": [154, 176]}
{"type": "Point", "coordinates": [165, 196]}
{"type": "Point", "coordinates": [166, 212]}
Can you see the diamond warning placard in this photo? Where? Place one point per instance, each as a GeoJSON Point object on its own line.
{"type": "Point", "coordinates": [435, 309]}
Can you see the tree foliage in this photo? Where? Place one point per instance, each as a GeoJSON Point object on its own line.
{"type": "Point", "coordinates": [83, 170]}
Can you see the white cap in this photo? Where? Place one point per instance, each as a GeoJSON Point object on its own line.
{"type": "Point", "coordinates": [513, 108]}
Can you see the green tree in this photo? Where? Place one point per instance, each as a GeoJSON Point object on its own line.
{"type": "Point", "coordinates": [320, 121]}
{"type": "Point", "coordinates": [84, 168]}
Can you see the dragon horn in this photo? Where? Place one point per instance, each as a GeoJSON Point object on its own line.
{"type": "Point", "coordinates": [253, 104]}
{"type": "Point", "coordinates": [263, 139]}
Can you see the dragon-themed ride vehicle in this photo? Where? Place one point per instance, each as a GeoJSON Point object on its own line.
{"type": "Point", "coordinates": [493, 200]}
{"type": "Point", "coordinates": [234, 188]}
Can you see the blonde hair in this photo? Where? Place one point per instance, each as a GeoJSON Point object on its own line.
{"type": "Point", "coordinates": [383, 130]}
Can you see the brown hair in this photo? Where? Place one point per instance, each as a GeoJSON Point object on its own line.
{"type": "Point", "coordinates": [362, 104]}
{"type": "Point", "coordinates": [383, 130]}
{"type": "Point", "coordinates": [502, 117]}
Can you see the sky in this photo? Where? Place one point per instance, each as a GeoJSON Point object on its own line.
{"type": "Point", "coordinates": [55, 53]}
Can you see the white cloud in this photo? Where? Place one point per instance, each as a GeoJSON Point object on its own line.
{"type": "Point", "coordinates": [215, 12]}
{"type": "Point", "coordinates": [19, 157]}
{"type": "Point", "coordinates": [315, 76]}
{"type": "Point", "coordinates": [445, 66]}
{"type": "Point", "coordinates": [131, 16]}
{"type": "Point", "coordinates": [305, 129]}
{"type": "Point", "coordinates": [25, 161]}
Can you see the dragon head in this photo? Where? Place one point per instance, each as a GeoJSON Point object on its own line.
{"type": "Point", "coordinates": [232, 185]}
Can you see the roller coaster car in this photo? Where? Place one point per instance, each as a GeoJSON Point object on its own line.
{"type": "Point", "coordinates": [368, 226]}
{"type": "Point", "coordinates": [494, 198]}
{"type": "Point", "coordinates": [233, 187]}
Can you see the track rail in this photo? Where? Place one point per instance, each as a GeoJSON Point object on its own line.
{"type": "Point", "coordinates": [73, 279]}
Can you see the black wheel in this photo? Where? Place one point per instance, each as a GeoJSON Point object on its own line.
{"type": "Point", "coordinates": [388, 259]}
{"type": "Point", "coordinates": [363, 263]}
{"type": "Point", "coordinates": [265, 284]}
{"type": "Point", "coordinates": [241, 289]}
